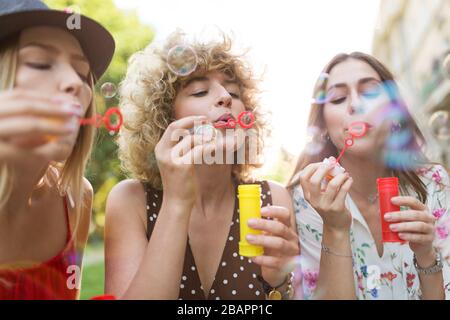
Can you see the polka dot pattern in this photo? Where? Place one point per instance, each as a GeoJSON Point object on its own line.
{"type": "Point", "coordinates": [236, 275]}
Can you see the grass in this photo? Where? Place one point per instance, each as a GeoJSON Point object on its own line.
{"type": "Point", "coordinates": [93, 279]}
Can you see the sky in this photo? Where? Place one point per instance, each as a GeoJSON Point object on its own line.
{"type": "Point", "coordinates": [289, 41]}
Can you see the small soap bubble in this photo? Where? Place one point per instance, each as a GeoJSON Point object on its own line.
{"type": "Point", "coordinates": [108, 90]}
{"type": "Point", "coordinates": [182, 60]}
{"type": "Point", "coordinates": [440, 125]}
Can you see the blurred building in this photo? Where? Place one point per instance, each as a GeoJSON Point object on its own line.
{"type": "Point", "coordinates": [412, 38]}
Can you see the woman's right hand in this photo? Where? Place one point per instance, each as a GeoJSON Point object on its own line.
{"type": "Point", "coordinates": [329, 203]}
{"type": "Point", "coordinates": [176, 153]}
{"type": "Point", "coordinates": [26, 120]}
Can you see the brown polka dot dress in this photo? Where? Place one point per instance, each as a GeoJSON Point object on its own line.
{"type": "Point", "coordinates": [236, 277]}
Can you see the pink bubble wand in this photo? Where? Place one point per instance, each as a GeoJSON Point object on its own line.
{"type": "Point", "coordinates": [98, 120]}
{"type": "Point", "coordinates": [232, 123]}
{"type": "Point", "coordinates": [356, 130]}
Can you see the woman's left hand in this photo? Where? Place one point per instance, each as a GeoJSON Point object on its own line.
{"type": "Point", "coordinates": [415, 225]}
{"type": "Point", "coordinates": [279, 240]}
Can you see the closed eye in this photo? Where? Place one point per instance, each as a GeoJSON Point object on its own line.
{"type": "Point", "coordinates": [338, 100]}
{"type": "Point", "coordinates": [371, 93]}
{"type": "Point", "coordinates": [39, 66]}
{"type": "Point", "coordinates": [234, 95]}
{"type": "Point", "coordinates": [200, 94]}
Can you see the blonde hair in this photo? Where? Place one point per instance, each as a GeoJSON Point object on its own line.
{"type": "Point", "coordinates": [148, 92]}
{"type": "Point", "coordinates": [69, 175]}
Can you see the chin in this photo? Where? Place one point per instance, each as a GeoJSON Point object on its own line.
{"type": "Point", "coordinates": [60, 151]}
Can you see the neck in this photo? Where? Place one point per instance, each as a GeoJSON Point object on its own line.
{"type": "Point", "coordinates": [365, 172]}
{"type": "Point", "coordinates": [214, 184]}
{"type": "Point", "coordinates": [27, 176]}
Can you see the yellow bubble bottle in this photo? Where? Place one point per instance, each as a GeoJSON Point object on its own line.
{"type": "Point", "coordinates": [249, 208]}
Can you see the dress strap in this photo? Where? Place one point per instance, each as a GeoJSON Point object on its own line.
{"type": "Point", "coordinates": [266, 194]}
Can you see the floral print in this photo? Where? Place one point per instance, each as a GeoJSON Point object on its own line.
{"type": "Point", "coordinates": [391, 275]}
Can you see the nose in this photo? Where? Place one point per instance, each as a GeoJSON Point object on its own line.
{"type": "Point", "coordinates": [71, 82]}
{"type": "Point", "coordinates": [224, 99]}
{"type": "Point", "coordinates": [354, 102]}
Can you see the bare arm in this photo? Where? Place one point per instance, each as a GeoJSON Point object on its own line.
{"type": "Point", "coordinates": [137, 268]}
{"type": "Point", "coordinates": [336, 280]}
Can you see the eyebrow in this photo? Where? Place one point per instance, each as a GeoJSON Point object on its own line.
{"type": "Point", "coordinates": [205, 79]}
{"type": "Point", "coordinates": [360, 82]}
{"type": "Point", "coordinates": [55, 50]}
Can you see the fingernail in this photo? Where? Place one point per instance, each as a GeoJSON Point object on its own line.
{"type": "Point", "coordinates": [388, 217]}
{"type": "Point", "coordinates": [393, 227]}
{"type": "Point", "coordinates": [251, 222]}
{"type": "Point", "coordinates": [250, 237]}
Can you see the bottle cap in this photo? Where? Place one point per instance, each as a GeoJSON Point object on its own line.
{"type": "Point", "coordinates": [391, 182]}
{"type": "Point", "coordinates": [249, 190]}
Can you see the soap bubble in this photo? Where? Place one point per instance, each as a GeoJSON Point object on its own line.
{"type": "Point", "coordinates": [182, 60]}
{"type": "Point", "coordinates": [440, 126]}
{"type": "Point", "coordinates": [108, 90]}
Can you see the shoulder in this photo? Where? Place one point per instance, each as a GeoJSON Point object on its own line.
{"type": "Point", "coordinates": [280, 195]}
{"type": "Point", "coordinates": [85, 212]}
{"type": "Point", "coordinates": [127, 187]}
{"type": "Point", "coordinates": [88, 191]}
{"type": "Point", "coordinates": [125, 198]}
{"type": "Point", "coordinates": [435, 176]}
{"type": "Point", "coordinates": [87, 197]}
{"type": "Point", "coordinates": [126, 193]}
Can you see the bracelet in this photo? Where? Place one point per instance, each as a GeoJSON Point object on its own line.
{"type": "Point", "coordinates": [437, 267]}
{"type": "Point", "coordinates": [328, 251]}
{"type": "Point", "coordinates": [272, 293]}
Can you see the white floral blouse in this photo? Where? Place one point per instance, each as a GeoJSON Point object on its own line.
{"type": "Point", "coordinates": [392, 276]}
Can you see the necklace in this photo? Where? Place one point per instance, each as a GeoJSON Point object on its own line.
{"type": "Point", "coordinates": [371, 198]}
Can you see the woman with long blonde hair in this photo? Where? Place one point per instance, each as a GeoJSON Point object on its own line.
{"type": "Point", "coordinates": [47, 76]}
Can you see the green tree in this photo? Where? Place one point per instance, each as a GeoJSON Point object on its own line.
{"type": "Point", "coordinates": [130, 36]}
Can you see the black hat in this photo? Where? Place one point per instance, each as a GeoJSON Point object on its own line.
{"type": "Point", "coordinates": [97, 43]}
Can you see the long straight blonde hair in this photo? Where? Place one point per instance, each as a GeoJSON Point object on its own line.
{"type": "Point", "coordinates": [70, 173]}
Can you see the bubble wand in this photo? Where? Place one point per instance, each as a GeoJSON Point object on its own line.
{"type": "Point", "coordinates": [98, 120]}
{"type": "Point", "coordinates": [356, 130]}
{"type": "Point", "coordinates": [232, 123]}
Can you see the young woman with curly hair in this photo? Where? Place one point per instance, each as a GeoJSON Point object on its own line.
{"type": "Point", "coordinates": [172, 231]}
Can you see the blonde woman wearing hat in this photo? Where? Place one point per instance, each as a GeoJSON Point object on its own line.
{"type": "Point", "coordinates": [47, 73]}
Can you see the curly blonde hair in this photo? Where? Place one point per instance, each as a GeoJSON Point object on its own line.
{"type": "Point", "coordinates": [149, 90]}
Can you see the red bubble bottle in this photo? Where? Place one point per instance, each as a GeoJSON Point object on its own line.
{"type": "Point", "coordinates": [388, 189]}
